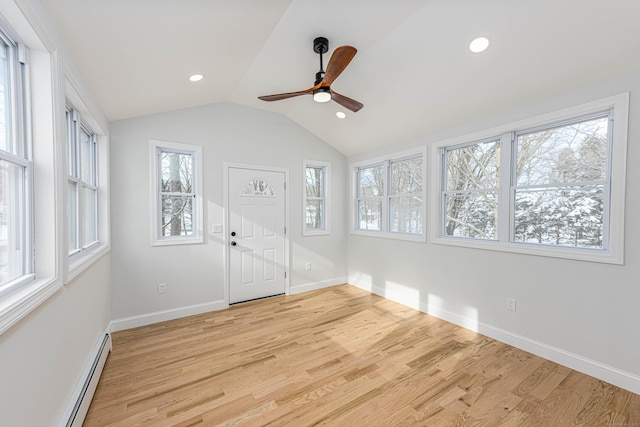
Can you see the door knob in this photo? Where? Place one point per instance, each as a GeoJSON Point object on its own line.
{"type": "Point", "coordinates": [233, 233]}
{"type": "Point", "coordinates": [233, 243]}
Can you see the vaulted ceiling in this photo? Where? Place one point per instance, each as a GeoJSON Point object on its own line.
{"type": "Point", "coordinates": [413, 71]}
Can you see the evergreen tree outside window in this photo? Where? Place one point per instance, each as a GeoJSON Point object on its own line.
{"type": "Point", "coordinates": [542, 186]}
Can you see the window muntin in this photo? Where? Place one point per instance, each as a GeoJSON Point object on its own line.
{"type": "Point", "coordinates": [561, 190]}
{"type": "Point", "coordinates": [405, 196]}
{"type": "Point", "coordinates": [82, 185]}
{"type": "Point", "coordinates": [471, 190]}
{"type": "Point", "coordinates": [16, 229]}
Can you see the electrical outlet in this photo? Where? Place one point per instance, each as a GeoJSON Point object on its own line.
{"type": "Point", "coordinates": [308, 266]}
{"type": "Point", "coordinates": [511, 304]}
{"type": "Point", "coordinates": [162, 288]}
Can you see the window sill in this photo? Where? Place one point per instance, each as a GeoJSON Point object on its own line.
{"type": "Point", "coordinates": [20, 302]}
{"type": "Point", "coordinates": [591, 255]}
{"type": "Point", "coordinates": [83, 260]}
{"type": "Point", "coordinates": [177, 241]}
{"type": "Point", "coordinates": [389, 235]}
{"type": "Point", "coordinates": [307, 233]}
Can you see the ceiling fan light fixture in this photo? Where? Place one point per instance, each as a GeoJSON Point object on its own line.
{"type": "Point", "coordinates": [322, 95]}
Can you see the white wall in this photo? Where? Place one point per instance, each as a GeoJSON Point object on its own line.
{"type": "Point", "coordinates": [43, 355]}
{"type": "Point", "coordinates": [194, 274]}
{"type": "Point", "coordinates": [583, 314]}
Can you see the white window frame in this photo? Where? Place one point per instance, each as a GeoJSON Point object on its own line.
{"type": "Point", "coordinates": [612, 253]}
{"type": "Point", "coordinates": [155, 147]}
{"type": "Point", "coordinates": [386, 161]}
{"type": "Point", "coordinates": [79, 260]}
{"type": "Point", "coordinates": [326, 198]}
{"type": "Point", "coordinates": [20, 155]}
{"type": "Point", "coordinates": [75, 126]}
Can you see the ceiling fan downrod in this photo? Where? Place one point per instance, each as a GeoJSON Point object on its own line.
{"type": "Point", "coordinates": [320, 46]}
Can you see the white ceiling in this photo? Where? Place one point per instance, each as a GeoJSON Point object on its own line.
{"type": "Point", "coordinates": [413, 71]}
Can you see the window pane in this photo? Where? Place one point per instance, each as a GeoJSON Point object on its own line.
{"type": "Point", "coordinates": [88, 157]}
{"type": "Point", "coordinates": [5, 117]}
{"type": "Point", "coordinates": [405, 214]}
{"type": "Point", "coordinates": [406, 177]}
{"type": "Point", "coordinates": [72, 158]}
{"type": "Point", "coordinates": [314, 214]}
{"type": "Point", "coordinates": [560, 216]}
{"type": "Point", "coordinates": [571, 153]}
{"type": "Point", "coordinates": [176, 172]}
{"type": "Point", "coordinates": [371, 181]}
{"type": "Point", "coordinates": [89, 216]}
{"type": "Point", "coordinates": [315, 181]}
{"type": "Point", "coordinates": [12, 221]}
{"type": "Point", "coordinates": [177, 215]}
{"type": "Point", "coordinates": [72, 214]}
{"type": "Point", "coordinates": [370, 214]}
{"type": "Point", "coordinates": [472, 215]}
{"type": "Point", "coordinates": [473, 167]}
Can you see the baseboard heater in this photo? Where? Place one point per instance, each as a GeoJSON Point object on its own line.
{"type": "Point", "coordinates": [85, 390]}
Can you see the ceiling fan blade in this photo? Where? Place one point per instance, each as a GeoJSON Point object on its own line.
{"type": "Point", "coordinates": [338, 62]}
{"type": "Point", "coordinates": [280, 96]}
{"type": "Point", "coordinates": [346, 102]}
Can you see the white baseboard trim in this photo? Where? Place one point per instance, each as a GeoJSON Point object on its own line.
{"type": "Point", "coordinates": [598, 370]}
{"type": "Point", "coordinates": [162, 316]}
{"type": "Point", "coordinates": [312, 286]}
{"type": "Point", "coordinates": [78, 405]}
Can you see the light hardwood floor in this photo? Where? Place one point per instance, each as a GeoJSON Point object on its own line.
{"type": "Point", "coordinates": [339, 356]}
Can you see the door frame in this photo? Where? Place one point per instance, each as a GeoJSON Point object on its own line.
{"type": "Point", "coordinates": [226, 240]}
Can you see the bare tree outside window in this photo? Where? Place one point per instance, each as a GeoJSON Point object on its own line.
{"type": "Point", "coordinates": [314, 218]}
{"type": "Point", "coordinates": [560, 184]}
{"type": "Point", "coordinates": [405, 196]}
{"type": "Point", "coordinates": [177, 197]}
{"type": "Point", "coordinates": [471, 190]}
{"type": "Point", "coordinates": [370, 193]}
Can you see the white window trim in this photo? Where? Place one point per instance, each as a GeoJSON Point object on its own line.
{"type": "Point", "coordinates": [47, 92]}
{"type": "Point", "coordinates": [385, 233]}
{"type": "Point", "coordinates": [156, 240]}
{"type": "Point", "coordinates": [78, 262]}
{"type": "Point", "coordinates": [615, 252]}
{"type": "Point", "coordinates": [326, 220]}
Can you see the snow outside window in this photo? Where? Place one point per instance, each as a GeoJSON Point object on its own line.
{"type": "Point", "coordinates": [552, 186]}
{"type": "Point", "coordinates": [389, 196]}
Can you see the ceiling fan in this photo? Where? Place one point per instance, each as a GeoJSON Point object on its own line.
{"type": "Point", "coordinates": [321, 90]}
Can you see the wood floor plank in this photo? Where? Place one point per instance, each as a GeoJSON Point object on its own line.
{"type": "Point", "coordinates": [339, 356]}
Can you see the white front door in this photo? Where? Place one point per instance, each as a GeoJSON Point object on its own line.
{"type": "Point", "coordinates": [256, 233]}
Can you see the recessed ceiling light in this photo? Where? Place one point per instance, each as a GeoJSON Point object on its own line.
{"type": "Point", "coordinates": [196, 77]}
{"type": "Point", "coordinates": [341, 115]}
{"type": "Point", "coordinates": [479, 44]}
